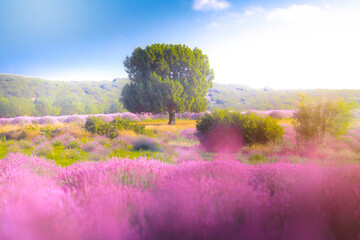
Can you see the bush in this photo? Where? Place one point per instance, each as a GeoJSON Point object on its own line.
{"type": "Point", "coordinates": [224, 130]}
{"type": "Point", "coordinates": [314, 118]}
{"type": "Point", "coordinates": [97, 125]}
{"type": "Point", "coordinates": [146, 144]}
{"type": "Point", "coordinates": [122, 124]}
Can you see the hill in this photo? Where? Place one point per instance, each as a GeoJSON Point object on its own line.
{"type": "Point", "coordinates": [242, 98]}
{"type": "Point", "coordinates": [32, 96]}
{"type": "Point", "coordinates": [26, 96]}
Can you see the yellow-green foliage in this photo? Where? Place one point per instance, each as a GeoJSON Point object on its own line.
{"type": "Point", "coordinates": [252, 128]}
{"type": "Point", "coordinates": [316, 117]}
{"type": "Point", "coordinates": [97, 125]}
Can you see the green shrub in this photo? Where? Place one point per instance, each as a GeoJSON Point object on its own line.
{"type": "Point", "coordinates": [314, 118]}
{"type": "Point", "coordinates": [224, 130]}
{"type": "Point", "coordinates": [257, 129]}
{"type": "Point", "coordinates": [97, 125]}
{"type": "Point", "coordinates": [122, 124]}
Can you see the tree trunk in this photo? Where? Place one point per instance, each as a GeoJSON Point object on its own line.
{"type": "Point", "coordinates": [172, 118]}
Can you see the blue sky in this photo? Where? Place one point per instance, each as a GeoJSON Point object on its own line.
{"type": "Point", "coordinates": [279, 44]}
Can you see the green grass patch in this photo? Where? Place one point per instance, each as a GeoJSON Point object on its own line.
{"type": "Point", "coordinates": [125, 153]}
{"type": "Point", "coordinates": [3, 149]}
{"type": "Point", "coordinates": [65, 157]}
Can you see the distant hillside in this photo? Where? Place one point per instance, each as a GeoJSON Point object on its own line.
{"type": "Point", "coordinates": [32, 96]}
{"type": "Point", "coordinates": [25, 96]}
{"type": "Point", "coordinates": [242, 98]}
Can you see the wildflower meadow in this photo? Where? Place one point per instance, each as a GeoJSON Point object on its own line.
{"type": "Point", "coordinates": [60, 181]}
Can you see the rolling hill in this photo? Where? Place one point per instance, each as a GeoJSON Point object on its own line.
{"type": "Point", "coordinates": [27, 96]}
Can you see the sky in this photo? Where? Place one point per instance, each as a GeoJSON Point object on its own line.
{"type": "Point", "coordinates": [280, 44]}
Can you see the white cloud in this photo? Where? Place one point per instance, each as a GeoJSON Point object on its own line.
{"type": "Point", "coordinates": [297, 13]}
{"type": "Point", "coordinates": [205, 5]}
{"type": "Point", "coordinates": [302, 46]}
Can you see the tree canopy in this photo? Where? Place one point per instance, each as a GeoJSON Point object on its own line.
{"type": "Point", "coordinates": [167, 78]}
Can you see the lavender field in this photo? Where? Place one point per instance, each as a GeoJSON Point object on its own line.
{"type": "Point", "coordinates": [58, 181]}
{"type": "Point", "coordinates": [179, 120]}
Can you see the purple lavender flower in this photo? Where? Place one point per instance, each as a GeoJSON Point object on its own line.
{"type": "Point", "coordinates": [22, 121]}
{"type": "Point", "coordinates": [40, 139]}
{"type": "Point", "coordinates": [90, 146]}
{"type": "Point", "coordinates": [43, 149]}
{"type": "Point", "coordinates": [47, 120]}
{"type": "Point", "coordinates": [5, 121]}
{"type": "Point", "coordinates": [130, 116]}
{"type": "Point", "coordinates": [122, 141]}
{"type": "Point", "coordinates": [76, 119]}
{"type": "Point", "coordinates": [189, 133]}
{"type": "Point", "coordinates": [64, 139]}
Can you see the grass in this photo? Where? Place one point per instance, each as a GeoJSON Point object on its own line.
{"type": "Point", "coordinates": [63, 158]}
{"type": "Point", "coordinates": [123, 153]}
{"type": "Point", "coordinates": [3, 149]}
{"type": "Point", "coordinates": [160, 125]}
{"type": "Point", "coordinates": [182, 142]}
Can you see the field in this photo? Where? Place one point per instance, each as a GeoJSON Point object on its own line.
{"type": "Point", "coordinates": [58, 181]}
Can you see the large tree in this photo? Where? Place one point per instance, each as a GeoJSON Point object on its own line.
{"type": "Point", "coordinates": [167, 78]}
